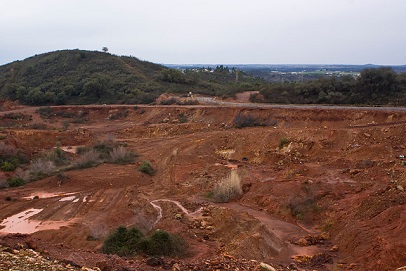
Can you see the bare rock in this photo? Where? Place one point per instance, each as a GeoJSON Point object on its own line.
{"type": "Point", "coordinates": [264, 267]}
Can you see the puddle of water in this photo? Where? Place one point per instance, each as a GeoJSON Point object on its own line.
{"type": "Point", "coordinates": [45, 195]}
{"type": "Point", "coordinates": [71, 149]}
{"type": "Point", "coordinates": [19, 223]}
{"type": "Point", "coordinates": [70, 198]}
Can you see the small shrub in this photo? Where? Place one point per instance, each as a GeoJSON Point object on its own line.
{"type": "Point", "coordinates": [61, 176]}
{"type": "Point", "coordinates": [182, 118]}
{"type": "Point", "coordinates": [104, 149]}
{"type": "Point", "coordinates": [121, 155]}
{"type": "Point", "coordinates": [3, 183]}
{"type": "Point", "coordinates": [162, 243]}
{"type": "Point", "coordinates": [123, 242]}
{"type": "Point", "coordinates": [41, 168]}
{"type": "Point", "coordinates": [170, 101]}
{"type": "Point", "coordinates": [119, 115]}
{"type": "Point", "coordinates": [88, 159]}
{"type": "Point", "coordinates": [146, 168]}
{"type": "Point", "coordinates": [283, 142]}
{"type": "Point", "coordinates": [37, 126]}
{"type": "Point", "coordinates": [14, 181]}
{"type": "Point", "coordinates": [65, 125]}
{"type": "Point", "coordinates": [6, 150]}
{"type": "Point", "coordinates": [304, 206]}
{"type": "Point", "coordinates": [57, 156]}
{"type": "Point", "coordinates": [228, 188]}
{"type": "Point", "coordinates": [23, 174]}
{"type": "Point", "coordinates": [242, 121]}
{"type": "Point", "coordinates": [7, 166]}
{"type": "Point", "coordinates": [45, 112]}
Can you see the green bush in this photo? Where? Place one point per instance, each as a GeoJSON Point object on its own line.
{"type": "Point", "coordinates": [7, 166]}
{"type": "Point", "coordinates": [242, 121]}
{"type": "Point", "coordinates": [123, 242]}
{"type": "Point", "coordinates": [45, 112]}
{"type": "Point", "coordinates": [14, 182]}
{"type": "Point", "coordinates": [127, 242]}
{"type": "Point", "coordinates": [146, 168]}
{"type": "Point", "coordinates": [162, 243]}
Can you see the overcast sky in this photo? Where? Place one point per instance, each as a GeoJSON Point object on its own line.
{"type": "Point", "coordinates": [210, 31]}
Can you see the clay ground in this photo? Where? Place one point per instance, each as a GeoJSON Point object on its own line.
{"type": "Point", "coordinates": [335, 190]}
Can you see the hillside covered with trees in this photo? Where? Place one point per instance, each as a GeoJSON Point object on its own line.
{"type": "Point", "coordinates": [83, 77]}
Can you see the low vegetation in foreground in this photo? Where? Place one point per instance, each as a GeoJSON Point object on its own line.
{"type": "Point", "coordinates": [130, 241]}
{"type": "Point", "coordinates": [55, 161]}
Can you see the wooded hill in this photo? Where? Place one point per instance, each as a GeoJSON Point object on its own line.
{"type": "Point", "coordinates": [83, 77]}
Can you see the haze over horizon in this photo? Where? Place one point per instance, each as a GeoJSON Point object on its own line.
{"type": "Point", "coordinates": [352, 32]}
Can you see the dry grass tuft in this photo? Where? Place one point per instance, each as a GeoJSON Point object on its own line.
{"type": "Point", "coordinates": [228, 188]}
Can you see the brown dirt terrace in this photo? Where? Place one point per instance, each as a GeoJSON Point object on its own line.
{"type": "Point", "coordinates": [331, 198]}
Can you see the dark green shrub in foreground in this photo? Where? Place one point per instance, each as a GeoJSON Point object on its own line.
{"type": "Point", "coordinates": [122, 242]}
{"type": "Point", "coordinates": [127, 242]}
{"type": "Point", "coordinates": [162, 243]}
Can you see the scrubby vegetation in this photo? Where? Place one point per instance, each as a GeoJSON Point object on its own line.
{"type": "Point", "coordinates": [228, 188]}
{"type": "Point", "coordinates": [244, 120]}
{"type": "Point", "coordinates": [127, 242]}
{"type": "Point", "coordinates": [373, 86]}
{"type": "Point", "coordinates": [56, 162]}
{"type": "Point", "coordinates": [121, 155]}
{"type": "Point", "coordinates": [146, 167]}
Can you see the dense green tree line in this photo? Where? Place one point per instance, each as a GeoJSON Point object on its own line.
{"type": "Point", "coordinates": [82, 77]}
{"type": "Point", "coordinates": [380, 86]}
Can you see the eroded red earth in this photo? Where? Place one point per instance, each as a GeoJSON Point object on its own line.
{"type": "Point", "coordinates": [334, 190]}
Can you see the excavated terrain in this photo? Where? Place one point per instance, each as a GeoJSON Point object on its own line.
{"type": "Point", "coordinates": [323, 188]}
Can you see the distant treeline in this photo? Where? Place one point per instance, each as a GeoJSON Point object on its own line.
{"type": "Point", "coordinates": [377, 86]}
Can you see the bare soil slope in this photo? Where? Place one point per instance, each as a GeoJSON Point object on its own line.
{"type": "Point", "coordinates": [323, 188]}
